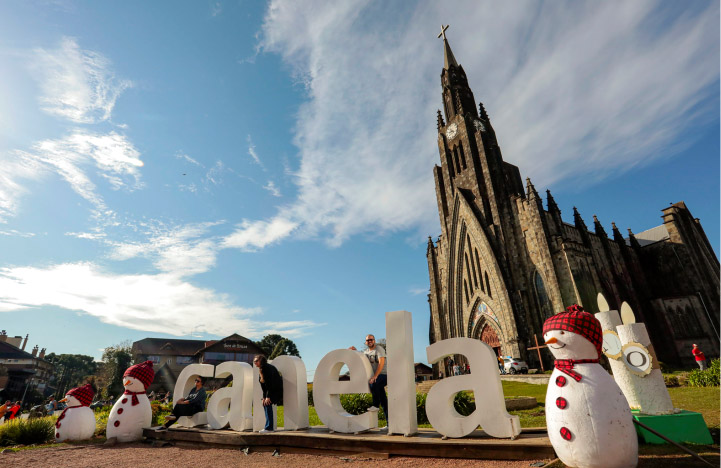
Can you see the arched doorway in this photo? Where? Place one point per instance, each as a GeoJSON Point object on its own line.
{"type": "Point", "coordinates": [489, 336]}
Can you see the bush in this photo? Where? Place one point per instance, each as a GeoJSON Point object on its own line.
{"type": "Point", "coordinates": [101, 420]}
{"type": "Point", "coordinates": [671, 380]}
{"type": "Point", "coordinates": [707, 378]}
{"type": "Point", "coordinates": [462, 402]}
{"type": "Point", "coordinates": [160, 411]}
{"type": "Point", "coordinates": [27, 432]}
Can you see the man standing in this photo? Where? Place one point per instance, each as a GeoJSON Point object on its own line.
{"type": "Point", "coordinates": [377, 357]}
{"type": "Point", "coordinates": [700, 357]}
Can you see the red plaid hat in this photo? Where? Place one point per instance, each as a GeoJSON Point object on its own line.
{"type": "Point", "coordinates": [143, 372]}
{"type": "Point", "coordinates": [83, 394]}
{"type": "Point", "coordinates": [576, 320]}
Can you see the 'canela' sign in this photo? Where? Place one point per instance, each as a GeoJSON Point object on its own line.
{"type": "Point", "coordinates": [233, 406]}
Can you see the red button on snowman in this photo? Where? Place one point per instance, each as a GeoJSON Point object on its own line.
{"type": "Point", "coordinates": [589, 421]}
{"type": "Point", "coordinates": [132, 412]}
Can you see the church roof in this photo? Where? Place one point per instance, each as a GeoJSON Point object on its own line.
{"type": "Point", "coordinates": [652, 235]}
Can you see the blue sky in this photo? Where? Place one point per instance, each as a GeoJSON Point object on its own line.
{"type": "Point", "coordinates": [207, 168]}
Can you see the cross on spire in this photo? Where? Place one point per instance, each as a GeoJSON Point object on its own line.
{"type": "Point", "coordinates": [443, 31]}
{"type": "Point", "coordinates": [448, 58]}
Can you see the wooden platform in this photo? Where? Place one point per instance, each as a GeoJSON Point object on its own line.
{"type": "Point", "coordinates": [532, 444]}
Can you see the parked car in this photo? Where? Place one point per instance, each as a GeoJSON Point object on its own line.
{"type": "Point", "coordinates": [515, 366]}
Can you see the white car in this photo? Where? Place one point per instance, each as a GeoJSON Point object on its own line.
{"type": "Point", "coordinates": [515, 366]}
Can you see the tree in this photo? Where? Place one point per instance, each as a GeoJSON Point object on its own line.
{"type": "Point", "coordinates": [70, 370]}
{"type": "Point", "coordinates": [275, 345]}
{"type": "Point", "coordinates": [117, 359]}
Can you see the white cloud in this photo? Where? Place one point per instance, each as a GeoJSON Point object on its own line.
{"type": "Point", "coordinates": [179, 250]}
{"type": "Point", "coordinates": [418, 291]}
{"type": "Point", "coordinates": [16, 233]}
{"type": "Point", "coordinates": [115, 159]}
{"type": "Point", "coordinates": [254, 235]}
{"type": "Point", "coordinates": [216, 9]}
{"type": "Point", "coordinates": [270, 186]}
{"type": "Point", "coordinates": [214, 174]}
{"type": "Point", "coordinates": [253, 154]}
{"type": "Point", "coordinates": [185, 157]}
{"type": "Point", "coordinates": [77, 84]}
{"type": "Point", "coordinates": [154, 303]}
{"type": "Point", "coordinates": [574, 90]}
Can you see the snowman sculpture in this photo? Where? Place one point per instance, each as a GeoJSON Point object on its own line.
{"type": "Point", "coordinates": [132, 412]}
{"type": "Point", "coordinates": [588, 418]}
{"type": "Point", "coordinates": [77, 421]}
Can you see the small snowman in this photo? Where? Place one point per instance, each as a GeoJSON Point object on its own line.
{"type": "Point", "coordinates": [132, 412]}
{"type": "Point", "coordinates": [77, 421]}
{"type": "Point", "coordinates": [589, 421]}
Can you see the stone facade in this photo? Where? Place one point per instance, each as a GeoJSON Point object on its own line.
{"type": "Point", "coordinates": [503, 263]}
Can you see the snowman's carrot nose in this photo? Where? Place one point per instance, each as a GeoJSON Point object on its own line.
{"type": "Point", "coordinates": [127, 382]}
{"type": "Point", "coordinates": [63, 400]}
{"type": "Point", "coordinates": [551, 340]}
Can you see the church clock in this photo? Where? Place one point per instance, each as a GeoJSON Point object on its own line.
{"type": "Point", "coordinates": [452, 131]}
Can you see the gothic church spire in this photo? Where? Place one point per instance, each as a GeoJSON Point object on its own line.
{"type": "Point", "coordinates": [448, 58]}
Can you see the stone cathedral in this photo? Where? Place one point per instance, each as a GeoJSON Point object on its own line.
{"type": "Point", "coordinates": [503, 262]}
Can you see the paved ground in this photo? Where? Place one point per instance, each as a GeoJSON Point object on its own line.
{"type": "Point", "coordinates": [145, 456]}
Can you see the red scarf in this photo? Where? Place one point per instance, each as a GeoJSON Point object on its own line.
{"type": "Point", "coordinates": [566, 366]}
{"type": "Point", "coordinates": [134, 400]}
{"type": "Point", "coordinates": [62, 415]}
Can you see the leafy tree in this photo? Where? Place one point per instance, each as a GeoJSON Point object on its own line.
{"type": "Point", "coordinates": [70, 370]}
{"type": "Point", "coordinates": [275, 345]}
{"type": "Point", "coordinates": [117, 359]}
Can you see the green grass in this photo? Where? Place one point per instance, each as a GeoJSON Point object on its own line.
{"type": "Point", "coordinates": [519, 389]}
{"type": "Point", "coordinates": [704, 400]}
{"type": "Point", "coordinates": [313, 418]}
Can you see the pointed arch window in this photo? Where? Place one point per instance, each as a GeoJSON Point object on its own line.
{"type": "Point", "coordinates": [478, 265]}
{"type": "Point", "coordinates": [468, 270]}
{"type": "Point", "coordinates": [463, 156]}
{"type": "Point", "coordinates": [488, 287]}
{"type": "Point", "coordinates": [465, 287]}
{"type": "Point", "coordinates": [539, 288]}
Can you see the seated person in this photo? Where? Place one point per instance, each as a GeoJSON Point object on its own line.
{"type": "Point", "coordinates": [194, 403]}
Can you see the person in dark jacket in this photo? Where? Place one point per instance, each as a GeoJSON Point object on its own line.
{"type": "Point", "coordinates": [195, 403]}
{"type": "Point", "coordinates": [272, 384]}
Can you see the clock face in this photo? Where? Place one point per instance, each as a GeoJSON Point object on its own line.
{"type": "Point", "coordinates": [452, 131]}
{"type": "Point", "coordinates": [479, 126]}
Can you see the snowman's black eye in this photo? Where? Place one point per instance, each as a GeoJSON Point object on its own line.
{"type": "Point", "coordinates": [561, 332]}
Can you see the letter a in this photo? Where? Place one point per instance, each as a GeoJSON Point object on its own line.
{"type": "Point", "coordinates": [485, 383]}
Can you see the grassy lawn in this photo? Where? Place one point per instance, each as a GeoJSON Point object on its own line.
{"type": "Point", "coordinates": [704, 400]}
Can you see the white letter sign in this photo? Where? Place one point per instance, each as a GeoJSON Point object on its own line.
{"type": "Point", "coordinates": [484, 381]}
{"type": "Point", "coordinates": [327, 390]}
{"type": "Point", "coordinates": [295, 392]}
{"type": "Point", "coordinates": [401, 374]}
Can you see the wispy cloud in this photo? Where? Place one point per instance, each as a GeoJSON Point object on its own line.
{"type": "Point", "coordinates": [214, 174]}
{"type": "Point", "coordinates": [253, 154]}
{"type": "Point", "coordinates": [155, 303]}
{"type": "Point", "coordinates": [574, 90]}
{"type": "Point", "coordinates": [16, 233]}
{"type": "Point", "coordinates": [185, 157]}
{"type": "Point", "coordinates": [178, 250]}
{"type": "Point", "coordinates": [115, 159]}
{"type": "Point", "coordinates": [253, 235]}
{"type": "Point", "coordinates": [216, 9]}
{"type": "Point", "coordinates": [77, 84]}
{"type": "Point", "coordinates": [270, 186]}
{"type": "Point", "coordinates": [418, 291]}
